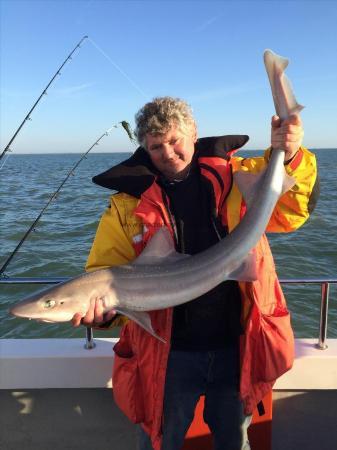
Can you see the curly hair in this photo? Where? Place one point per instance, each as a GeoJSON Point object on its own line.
{"type": "Point", "coordinates": [158, 116]}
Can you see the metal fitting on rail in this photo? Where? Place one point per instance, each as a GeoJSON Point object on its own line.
{"type": "Point", "coordinates": [323, 323]}
{"type": "Point", "coordinates": [89, 342]}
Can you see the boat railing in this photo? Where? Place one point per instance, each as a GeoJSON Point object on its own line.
{"type": "Point", "coordinates": [323, 282]}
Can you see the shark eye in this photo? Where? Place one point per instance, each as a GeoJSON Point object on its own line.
{"type": "Point", "coordinates": [49, 304]}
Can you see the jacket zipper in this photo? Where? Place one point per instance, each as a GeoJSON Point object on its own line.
{"type": "Point", "coordinates": [171, 219]}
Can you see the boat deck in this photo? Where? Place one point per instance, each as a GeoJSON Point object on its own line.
{"type": "Point", "coordinates": [53, 395]}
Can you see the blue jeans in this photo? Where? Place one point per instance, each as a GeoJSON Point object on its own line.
{"type": "Point", "coordinates": [214, 374]}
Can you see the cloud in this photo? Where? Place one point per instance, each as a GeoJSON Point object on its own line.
{"type": "Point", "coordinates": [206, 24]}
{"type": "Point", "coordinates": [67, 91]}
{"type": "Point", "coordinates": [72, 89]}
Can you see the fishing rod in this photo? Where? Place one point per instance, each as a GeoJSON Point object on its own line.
{"type": "Point", "coordinates": [44, 92]}
{"type": "Point", "coordinates": [129, 132]}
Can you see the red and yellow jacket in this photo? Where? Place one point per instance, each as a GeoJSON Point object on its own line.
{"type": "Point", "coordinates": [132, 218]}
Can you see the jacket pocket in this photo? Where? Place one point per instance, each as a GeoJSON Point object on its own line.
{"type": "Point", "coordinates": [127, 389]}
{"type": "Point", "coordinates": [274, 353]}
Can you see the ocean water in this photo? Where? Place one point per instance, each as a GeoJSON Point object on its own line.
{"type": "Point", "coordinates": [62, 238]}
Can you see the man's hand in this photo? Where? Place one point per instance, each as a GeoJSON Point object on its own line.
{"type": "Point", "coordinates": [94, 317]}
{"type": "Point", "coordinates": [287, 135]}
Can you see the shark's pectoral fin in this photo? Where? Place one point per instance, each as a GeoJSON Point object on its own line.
{"type": "Point", "coordinates": [246, 271]}
{"type": "Point", "coordinates": [142, 319]}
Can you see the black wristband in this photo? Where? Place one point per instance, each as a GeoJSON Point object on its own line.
{"type": "Point", "coordinates": [289, 160]}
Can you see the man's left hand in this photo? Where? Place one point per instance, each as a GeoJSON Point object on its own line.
{"type": "Point", "coordinates": [287, 135]}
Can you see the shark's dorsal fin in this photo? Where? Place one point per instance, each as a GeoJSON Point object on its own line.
{"type": "Point", "coordinates": [159, 250]}
{"type": "Point", "coordinates": [249, 184]}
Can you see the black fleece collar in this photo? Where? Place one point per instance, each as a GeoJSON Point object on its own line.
{"type": "Point", "coordinates": [136, 174]}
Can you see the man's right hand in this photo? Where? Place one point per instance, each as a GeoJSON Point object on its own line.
{"type": "Point", "coordinates": [95, 316]}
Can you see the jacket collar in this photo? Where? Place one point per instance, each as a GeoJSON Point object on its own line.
{"type": "Point", "coordinates": [137, 173]}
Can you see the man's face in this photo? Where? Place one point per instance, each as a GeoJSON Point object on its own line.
{"type": "Point", "coordinates": [172, 152]}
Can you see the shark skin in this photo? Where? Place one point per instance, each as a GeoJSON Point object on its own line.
{"type": "Point", "coordinates": [160, 277]}
{"type": "Point", "coordinates": [283, 96]}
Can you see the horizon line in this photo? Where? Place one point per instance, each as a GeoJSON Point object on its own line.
{"type": "Point", "coordinates": [128, 151]}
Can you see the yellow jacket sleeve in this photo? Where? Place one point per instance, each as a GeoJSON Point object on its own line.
{"type": "Point", "coordinates": [112, 245]}
{"type": "Point", "coordinates": [294, 206]}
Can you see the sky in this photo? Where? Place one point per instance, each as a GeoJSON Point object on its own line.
{"type": "Point", "coordinates": [209, 53]}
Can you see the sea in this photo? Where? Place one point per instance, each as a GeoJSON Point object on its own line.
{"type": "Point", "coordinates": [61, 240]}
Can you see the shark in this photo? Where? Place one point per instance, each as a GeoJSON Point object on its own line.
{"type": "Point", "coordinates": [162, 278]}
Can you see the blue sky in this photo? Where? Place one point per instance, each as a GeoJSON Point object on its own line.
{"type": "Point", "coordinates": [209, 53]}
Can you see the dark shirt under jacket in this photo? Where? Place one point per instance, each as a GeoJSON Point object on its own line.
{"type": "Point", "coordinates": [211, 321]}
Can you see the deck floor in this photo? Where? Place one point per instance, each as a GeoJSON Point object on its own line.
{"type": "Point", "coordinates": [83, 419]}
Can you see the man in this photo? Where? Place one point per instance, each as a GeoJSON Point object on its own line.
{"type": "Point", "coordinates": [185, 183]}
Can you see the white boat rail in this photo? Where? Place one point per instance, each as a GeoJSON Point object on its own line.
{"type": "Point", "coordinates": [323, 282]}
